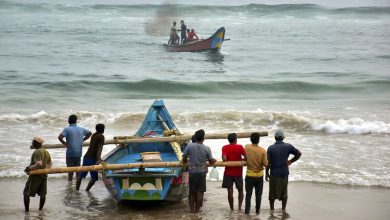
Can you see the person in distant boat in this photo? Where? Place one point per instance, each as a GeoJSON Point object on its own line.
{"type": "Point", "coordinates": [37, 184]}
{"type": "Point", "coordinates": [75, 136]}
{"type": "Point", "coordinates": [278, 154]}
{"type": "Point", "coordinates": [198, 154]}
{"type": "Point", "coordinates": [233, 175]}
{"type": "Point", "coordinates": [173, 37]}
{"type": "Point", "coordinates": [183, 31]}
{"type": "Point", "coordinates": [256, 162]}
{"type": "Point", "coordinates": [93, 156]}
{"type": "Point", "coordinates": [192, 36]}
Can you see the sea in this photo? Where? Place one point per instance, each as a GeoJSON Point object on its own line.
{"type": "Point", "coordinates": [321, 73]}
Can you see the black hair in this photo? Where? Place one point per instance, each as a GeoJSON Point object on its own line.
{"type": "Point", "coordinates": [199, 135]}
{"type": "Point", "coordinates": [100, 128]}
{"type": "Point", "coordinates": [193, 139]}
{"type": "Point", "coordinates": [232, 137]}
{"type": "Point", "coordinates": [255, 138]}
{"type": "Point", "coordinates": [72, 119]}
{"type": "Point", "coordinates": [279, 138]}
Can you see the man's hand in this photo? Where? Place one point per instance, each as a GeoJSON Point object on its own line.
{"type": "Point", "coordinates": [99, 161]}
{"type": "Point", "coordinates": [27, 170]}
{"type": "Point", "coordinates": [288, 162]}
{"type": "Point", "coordinates": [267, 177]}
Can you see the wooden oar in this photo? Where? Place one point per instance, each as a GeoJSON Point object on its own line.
{"type": "Point", "coordinates": [181, 138]}
{"type": "Point", "coordinates": [128, 166]}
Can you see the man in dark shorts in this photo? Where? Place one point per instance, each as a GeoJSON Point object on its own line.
{"type": "Point", "coordinates": [256, 157]}
{"type": "Point", "coordinates": [75, 136]}
{"type": "Point", "coordinates": [198, 154]}
{"type": "Point", "coordinates": [233, 152]}
{"type": "Point", "coordinates": [93, 156]}
{"type": "Point", "coordinates": [278, 154]}
{"type": "Point", "coordinates": [37, 184]}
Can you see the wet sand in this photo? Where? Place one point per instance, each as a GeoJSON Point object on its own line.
{"type": "Point", "coordinates": [306, 201]}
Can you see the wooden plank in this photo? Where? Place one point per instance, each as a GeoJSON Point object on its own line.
{"type": "Point", "coordinates": [182, 138]}
{"type": "Point", "coordinates": [128, 166]}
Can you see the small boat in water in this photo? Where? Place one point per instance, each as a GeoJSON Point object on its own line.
{"type": "Point", "coordinates": [213, 43]}
{"type": "Point", "coordinates": [148, 184]}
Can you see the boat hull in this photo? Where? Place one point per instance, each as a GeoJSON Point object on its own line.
{"type": "Point", "coordinates": [213, 44]}
{"type": "Point", "coordinates": [147, 188]}
{"type": "Point", "coordinates": [148, 184]}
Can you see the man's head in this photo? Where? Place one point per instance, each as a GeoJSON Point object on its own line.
{"type": "Point", "coordinates": [255, 138]}
{"type": "Point", "coordinates": [181, 22]}
{"type": "Point", "coordinates": [72, 119]}
{"type": "Point", "coordinates": [192, 30]}
{"type": "Point", "coordinates": [188, 30]}
{"type": "Point", "coordinates": [193, 139]}
{"type": "Point", "coordinates": [232, 138]}
{"type": "Point", "coordinates": [279, 135]}
{"type": "Point", "coordinates": [37, 142]}
{"type": "Point", "coordinates": [100, 128]}
{"type": "Point", "coordinates": [199, 135]}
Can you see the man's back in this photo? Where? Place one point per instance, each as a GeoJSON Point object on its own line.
{"type": "Point", "coordinates": [233, 152]}
{"type": "Point", "coordinates": [278, 154]}
{"type": "Point", "coordinates": [198, 154]}
{"type": "Point", "coordinates": [256, 158]}
{"type": "Point", "coordinates": [74, 138]}
{"type": "Point", "coordinates": [96, 140]}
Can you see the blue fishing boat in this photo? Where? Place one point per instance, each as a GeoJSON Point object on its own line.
{"type": "Point", "coordinates": [148, 184]}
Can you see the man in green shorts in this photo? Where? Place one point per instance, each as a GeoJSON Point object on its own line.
{"type": "Point", "coordinates": [278, 163]}
{"type": "Point", "coordinates": [37, 184]}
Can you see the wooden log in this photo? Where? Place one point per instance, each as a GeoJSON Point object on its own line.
{"type": "Point", "coordinates": [129, 166]}
{"type": "Point", "coordinates": [181, 138]}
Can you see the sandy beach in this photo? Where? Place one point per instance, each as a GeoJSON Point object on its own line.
{"type": "Point", "coordinates": [306, 201]}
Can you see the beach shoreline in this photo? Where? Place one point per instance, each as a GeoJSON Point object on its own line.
{"type": "Point", "coordinates": [307, 200]}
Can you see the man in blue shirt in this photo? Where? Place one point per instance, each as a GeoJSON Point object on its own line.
{"type": "Point", "coordinates": [75, 136]}
{"type": "Point", "coordinates": [278, 163]}
{"type": "Point", "coordinates": [198, 155]}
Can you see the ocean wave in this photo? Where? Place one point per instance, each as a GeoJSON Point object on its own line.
{"type": "Point", "coordinates": [153, 89]}
{"type": "Point", "coordinates": [210, 120]}
{"type": "Point", "coordinates": [169, 10]}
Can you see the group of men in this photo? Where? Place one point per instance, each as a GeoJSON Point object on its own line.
{"type": "Point", "coordinates": [275, 159]}
{"type": "Point", "coordinates": [40, 159]}
{"type": "Point", "coordinates": [186, 35]}
{"type": "Point", "coordinates": [196, 154]}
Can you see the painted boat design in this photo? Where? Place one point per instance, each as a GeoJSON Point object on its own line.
{"type": "Point", "coordinates": [213, 44]}
{"type": "Point", "coordinates": [148, 184]}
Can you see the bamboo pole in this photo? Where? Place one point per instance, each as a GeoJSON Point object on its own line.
{"type": "Point", "coordinates": [129, 166]}
{"type": "Point", "coordinates": [181, 138]}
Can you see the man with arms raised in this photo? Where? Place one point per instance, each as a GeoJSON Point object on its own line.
{"type": "Point", "coordinates": [75, 136]}
{"type": "Point", "coordinates": [198, 155]}
{"type": "Point", "coordinates": [233, 175]}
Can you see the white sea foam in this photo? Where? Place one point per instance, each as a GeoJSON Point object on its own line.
{"type": "Point", "coordinates": [211, 120]}
{"type": "Point", "coordinates": [352, 126]}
